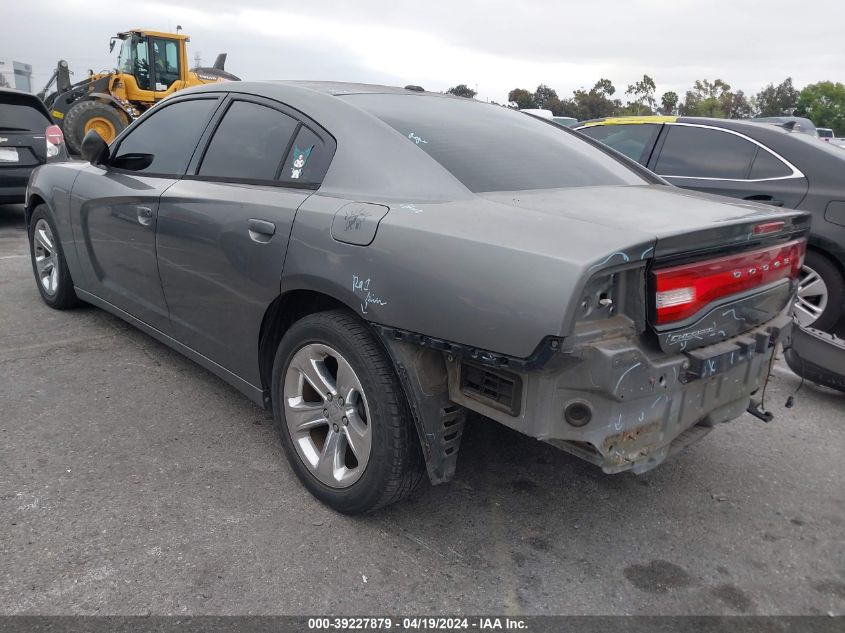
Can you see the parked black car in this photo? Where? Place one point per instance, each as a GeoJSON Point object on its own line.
{"type": "Point", "coordinates": [28, 138]}
{"type": "Point", "coordinates": [756, 161]}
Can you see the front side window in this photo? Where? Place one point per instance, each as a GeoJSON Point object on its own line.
{"type": "Point", "coordinates": [491, 148]}
{"type": "Point", "coordinates": [166, 138]}
{"type": "Point", "coordinates": [633, 140]}
{"type": "Point", "coordinates": [249, 143]}
{"type": "Point", "coordinates": [166, 56]}
{"type": "Point", "coordinates": [696, 152]}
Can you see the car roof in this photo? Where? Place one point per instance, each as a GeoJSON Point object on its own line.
{"type": "Point", "coordinates": [731, 124]}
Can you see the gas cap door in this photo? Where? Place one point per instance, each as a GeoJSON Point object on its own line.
{"type": "Point", "coordinates": [356, 223]}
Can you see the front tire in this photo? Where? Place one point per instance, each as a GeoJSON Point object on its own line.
{"type": "Point", "coordinates": [342, 415]}
{"type": "Point", "coordinates": [48, 262]}
{"type": "Point", "coordinates": [83, 116]}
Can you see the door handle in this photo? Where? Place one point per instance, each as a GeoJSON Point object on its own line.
{"type": "Point", "coordinates": [145, 215]}
{"type": "Point", "coordinates": [261, 230]}
{"type": "Point", "coordinates": [765, 199]}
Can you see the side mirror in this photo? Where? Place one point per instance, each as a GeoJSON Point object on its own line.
{"type": "Point", "coordinates": [94, 149]}
{"type": "Point", "coordinates": [132, 162]}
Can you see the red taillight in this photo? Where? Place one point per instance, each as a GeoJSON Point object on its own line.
{"type": "Point", "coordinates": [681, 291]}
{"type": "Point", "coordinates": [54, 135]}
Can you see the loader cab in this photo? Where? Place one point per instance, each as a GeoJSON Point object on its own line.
{"type": "Point", "coordinates": [152, 63]}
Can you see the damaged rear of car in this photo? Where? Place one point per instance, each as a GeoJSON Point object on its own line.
{"type": "Point", "coordinates": [381, 260]}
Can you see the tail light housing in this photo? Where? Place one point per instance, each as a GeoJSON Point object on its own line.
{"type": "Point", "coordinates": [682, 291]}
{"type": "Point", "coordinates": [54, 139]}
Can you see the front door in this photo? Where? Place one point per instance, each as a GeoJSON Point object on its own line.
{"type": "Point", "coordinates": [115, 208]}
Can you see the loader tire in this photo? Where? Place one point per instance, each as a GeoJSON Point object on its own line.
{"type": "Point", "coordinates": [107, 120]}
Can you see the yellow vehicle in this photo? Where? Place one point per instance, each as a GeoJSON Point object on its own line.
{"type": "Point", "coordinates": [151, 66]}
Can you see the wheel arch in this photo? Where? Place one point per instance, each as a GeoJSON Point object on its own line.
{"type": "Point", "coordinates": [34, 200]}
{"type": "Point", "coordinates": [285, 310]}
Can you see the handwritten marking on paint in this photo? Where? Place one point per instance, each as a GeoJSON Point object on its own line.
{"type": "Point", "coordinates": [622, 377]}
{"type": "Point", "coordinates": [416, 139]}
{"type": "Point", "coordinates": [618, 424]}
{"type": "Point", "coordinates": [410, 207]}
{"type": "Point", "coordinates": [625, 258]}
{"type": "Point", "coordinates": [355, 219]}
{"type": "Point", "coordinates": [732, 312]}
{"type": "Point", "coordinates": [646, 251]}
{"type": "Point", "coordinates": [361, 287]}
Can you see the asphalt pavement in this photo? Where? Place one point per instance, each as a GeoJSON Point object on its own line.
{"type": "Point", "coordinates": [133, 482]}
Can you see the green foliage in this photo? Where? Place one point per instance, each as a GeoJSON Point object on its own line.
{"type": "Point", "coordinates": [596, 102]}
{"type": "Point", "coordinates": [544, 94]}
{"type": "Point", "coordinates": [824, 104]}
{"type": "Point", "coordinates": [462, 90]}
{"type": "Point", "coordinates": [777, 100]}
{"type": "Point", "coordinates": [643, 93]}
{"type": "Point", "coordinates": [669, 103]}
{"type": "Point", "coordinates": [520, 98]}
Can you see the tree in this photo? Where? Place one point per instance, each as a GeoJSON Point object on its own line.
{"type": "Point", "coordinates": [736, 106]}
{"type": "Point", "coordinates": [520, 98]}
{"type": "Point", "coordinates": [462, 90]}
{"type": "Point", "coordinates": [643, 93]}
{"type": "Point", "coordinates": [705, 99]}
{"type": "Point", "coordinates": [824, 104]}
{"type": "Point", "coordinates": [669, 103]}
{"type": "Point", "coordinates": [776, 100]}
{"type": "Point", "coordinates": [542, 95]}
{"type": "Point", "coordinates": [594, 103]}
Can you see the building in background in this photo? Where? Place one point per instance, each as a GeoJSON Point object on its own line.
{"type": "Point", "coordinates": [15, 75]}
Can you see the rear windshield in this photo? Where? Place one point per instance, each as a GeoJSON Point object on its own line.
{"type": "Point", "coordinates": [492, 148]}
{"type": "Point", "coordinates": [17, 114]}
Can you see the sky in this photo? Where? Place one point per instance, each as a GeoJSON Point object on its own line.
{"type": "Point", "coordinates": [490, 45]}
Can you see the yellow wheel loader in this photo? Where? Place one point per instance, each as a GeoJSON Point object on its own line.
{"type": "Point", "coordinates": [151, 66]}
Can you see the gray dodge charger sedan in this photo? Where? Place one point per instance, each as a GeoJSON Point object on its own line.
{"type": "Point", "coordinates": [373, 262]}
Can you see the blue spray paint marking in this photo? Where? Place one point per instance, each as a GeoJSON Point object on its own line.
{"type": "Point", "coordinates": [609, 257]}
{"type": "Point", "coordinates": [650, 248]}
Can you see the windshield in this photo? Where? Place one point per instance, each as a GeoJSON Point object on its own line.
{"type": "Point", "coordinates": [493, 148]}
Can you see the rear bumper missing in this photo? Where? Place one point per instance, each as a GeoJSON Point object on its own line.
{"type": "Point", "coordinates": [617, 405]}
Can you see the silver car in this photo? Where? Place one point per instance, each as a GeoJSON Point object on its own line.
{"type": "Point", "coordinates": [371, 263]}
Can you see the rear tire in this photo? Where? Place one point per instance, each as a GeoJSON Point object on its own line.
{"type": "Point", "coordinates": [83, 113]}
{"type": "Point", "coordinates": [821, 293]}
{"type": "Point", "coordinates": [48, 262]}
{"type": "Point", "coordinates": [335, 350]}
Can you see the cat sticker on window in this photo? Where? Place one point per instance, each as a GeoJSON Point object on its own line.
{"type": "Point", "coordinates": [300, 157]}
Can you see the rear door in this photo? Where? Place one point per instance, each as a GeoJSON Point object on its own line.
{"type": "Point", "coordinates": [114, 207]}
{"type": "Point", "coordinates": [726, 163]}
{"type": "Point", "coordinates": [223, 230]}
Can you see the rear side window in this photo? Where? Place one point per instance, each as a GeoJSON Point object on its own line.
{"type": "Point", "coordinates": [491, 148]}
{"type": "Point", "coordinates": [705, 153]}
{"type": "Point", "coordinates": [16, 115]}
{"type": "Point", "coordinates": [307, 160]}
{"type": "Point", "coordinates": [634, 141]}
{"type": "Point", "coordinates": [249, 143]}
{"type": "Point", "coordinates": [767, 166]}
{"type": "Point", "coordinates": [170, 135]}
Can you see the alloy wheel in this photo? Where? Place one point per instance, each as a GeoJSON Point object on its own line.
{"type": "Point", "coordinates": [812, 297]}
{"type": "Point", "coordinates": [46, 258]}
{"type": "Point", "coordinates": [327, 415]}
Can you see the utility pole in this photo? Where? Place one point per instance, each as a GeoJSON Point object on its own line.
{"type": "Point", "coordinates": [198, 59]}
